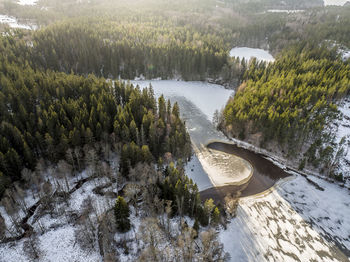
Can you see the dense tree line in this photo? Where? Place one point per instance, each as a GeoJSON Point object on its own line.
{"type": "Point", "coordinates": [291, 101]}
{"type": "Point", "coordinates": [184, 195]}
{"type": "Point", "coordinates": [110, 49]}
{"type": "Point", "coordinates": [43, 114]}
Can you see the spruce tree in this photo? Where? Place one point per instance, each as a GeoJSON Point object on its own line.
{"type": "Point", "coordinates": [121, 214]}
{"type": "Point", "coordinates": [215, 216]}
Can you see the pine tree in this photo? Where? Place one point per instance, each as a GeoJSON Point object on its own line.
{"type": "Point", "coordinates": [146, 154]}
{"type": "Point", "coordinates": [215, 216]}
{"type": "Point", "coordinates": [176, 110]}
{"type": "Point", "coordinates": [162, 108]}
{"type": "Point", "coordinates": [121, 214]}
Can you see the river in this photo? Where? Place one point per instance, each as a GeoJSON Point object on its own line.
{"type": "Point", "coordinates": [198, 102]}
{"type": "Point", "coordinates": [298, 219]}
{"type": "Point", "coordinates": [265, 174]}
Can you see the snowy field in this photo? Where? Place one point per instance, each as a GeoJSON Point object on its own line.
{"type": "Point", "coordinates": [296, 220]}
{"type": "Point", "coordinates": [13, 23]}
{"type": "Point", "coordinates": [248, 53]}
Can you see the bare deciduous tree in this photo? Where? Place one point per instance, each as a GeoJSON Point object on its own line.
{"type": "Point", "coordinates": [132, 192]}
{"type": "Point", "coordinates": [91, 158]}
{"type": "Point", "coordinates": [231, 204]}
{"type": "Point", "coordinates": [3, 228]}
{"type": "Point", "coordinates": [11, 209]}
{"type": "Point", "coordinates": [64, 171]}
{"type": "Point", "coordinates": [85, 233]}
{"type": "Point", "coordinates": [31, 247]}
{"type": "Point", "coordinates": [212, 249]}
{"type": "Point", "coordinates": [151, 234]}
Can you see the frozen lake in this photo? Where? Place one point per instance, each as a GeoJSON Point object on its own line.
{"type": "Point", "coordinates": [248, 53]}
{"type": "Point", "coordinates": [27, 2]}
{"type": "Point", "coordinates": [284, 11]}
{"type": "Point", "coordinates": [335, 2]}
{"type": "Point", "coordinates": [206, 97]}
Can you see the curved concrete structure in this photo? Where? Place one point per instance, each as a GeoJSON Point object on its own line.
{"type": "Point", "coordinates": [224, 169]}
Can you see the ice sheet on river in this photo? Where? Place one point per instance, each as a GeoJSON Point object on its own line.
{"type": "Point", "coordinates": [198, 102]}
{"type": "Point", "coordinates": [207, 97]}
{"type": "Point", "coordinates": [295, 222]}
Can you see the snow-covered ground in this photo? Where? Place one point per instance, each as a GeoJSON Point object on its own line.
{"type": "Point", "coordinates": [335, 2]}
{"type": "Point", "coordinates": [58, 241]}
{"type": "Point", "coordinates": [296, 218]}
{"type": "Point", "coordinates": [343, 130]}
{"type": "Point", "coordinates": [13, 23]}
{"type": "Point", "coordinates": [293, 222]}
{"type": "Point", "coordinates": [343, 51]}
{"type": "Point", "coordinates": [194, 170]}
{"type": "Point", "coordinates": [27, 2]}
{"type": "Point", "coordinates": [346, 55]}
{"type": "Point", "coordinates": [248, 53]}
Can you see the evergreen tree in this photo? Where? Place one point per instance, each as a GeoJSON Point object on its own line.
{"type": "Point", "coordinates": [215, 216]}
{"type": "Point", "coordinates": [121, 214]}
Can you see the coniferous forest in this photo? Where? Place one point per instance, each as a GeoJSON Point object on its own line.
{"type": "Point", "coordinates": [292, 102]}
{"type": "Point", "coordinates": [88, 155]}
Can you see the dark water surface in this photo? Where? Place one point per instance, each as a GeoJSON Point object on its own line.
{"type": "Point", "coordinates": [265, 174]}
